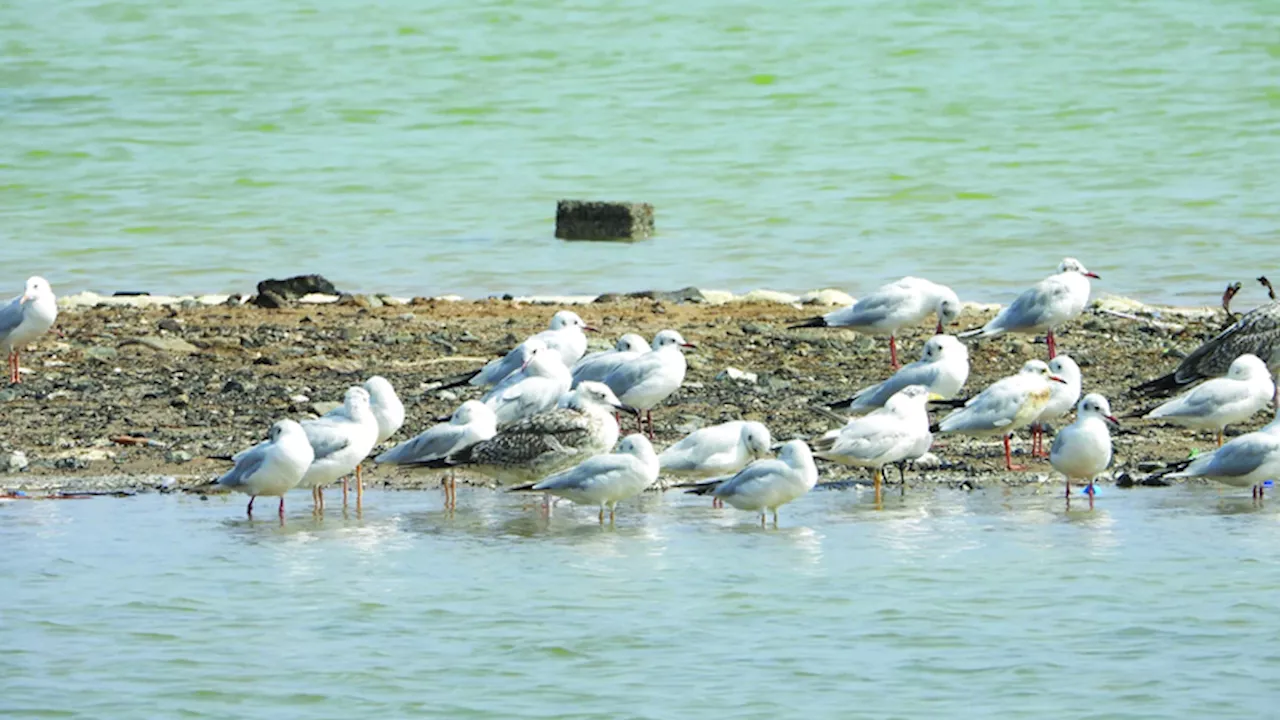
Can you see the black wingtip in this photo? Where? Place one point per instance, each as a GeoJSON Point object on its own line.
{"type": "Point", "coordinates": [1163, 385]}
{"type": "Point", "coordinates": [839, 404]}
{"type": "Point", "coordinates": [819, 321]}
{"type": "Point", "coordinates": [527, 487]}
{"type": "Point", "coordinates": [935, 427]}
{"type": "Point", "coordinates": [952, 403]}
{"type": "Point", "coordinates": [222, 458]}
{"type": "Point", "coordinates": [454, 381]}
{"type": "Point", "coordinates": [705, 489]}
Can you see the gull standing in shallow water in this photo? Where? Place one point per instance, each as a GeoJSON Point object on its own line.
{"type": "Point", "coordinates": [891, 308]}
{"type": "Point", "coordinates": [1045, 306]}
{"type": "Point", "coordinates": [717, 451]}
{"type": "Point", "coordinates": [645, 381]}
{"type": "Point", "coordinates": [1064, 396]}
{"type": "Point", "coordinates": [766, 485]}
{"type": "Point", "coordinates": [605, 480]}
{"type": "Point", "coordinates": [896, 432]}
{"type": "Point", "coordinates": [271, 468]}
{"type": "Point", "coordinates": [534, 388]}
{"type": "Point", "coordinates": [1220, 402]}
{"type": "Point", "coordinates": [1245, 461]}
{"type": "Point", "coordinates": [471, 422]}
{"type": "Point", "coordinates": [547, 442]}
{"type": "Point", "coordinates": [943, 368]}
{"type": "Point", "coordinates": [341, 441]}
{"type": "Point", "coordinates": [1005, 406]}
{"type": "Point", "coordinates": [598, 365]}
{"type": "Point", "coordinates": [1082, 450]}
{"type": "Point", "coordinates": [389, 412]}
{"type": "Point", "coordinates": [25, 318]}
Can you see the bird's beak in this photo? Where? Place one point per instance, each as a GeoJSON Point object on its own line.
{"type": "Point", "coordinates": [628, 409]}
{"type": "Point", "coordinates": [589, 328]}
{"type": "Point", "coordinates": [934, 397]}
{"type": "Point", "coordinates": [1093, 275]}
{"type": "Point", "coordinates": [443, 418]}
{"type": "Point", "coordinates": [1112, 419]}
{"type": "Point", "coordinates": [1055, 378]}
{"type": "Point", "coordinates": [688, 346]}
{"type": "Point", "coordinates": [26, 298]}
{"type": "Point", "coordinates": [525, 364]}
{"type": "Point", "coordinates": [776, 446]}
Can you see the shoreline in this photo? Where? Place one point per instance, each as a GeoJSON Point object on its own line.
{"type": "Point", "coordinates": [198, 376]}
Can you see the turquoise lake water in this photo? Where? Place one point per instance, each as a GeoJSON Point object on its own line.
{"type": "Point", "coordinates": [419, 148]}
{"type": "Point", "coordinates": [1158, 603]}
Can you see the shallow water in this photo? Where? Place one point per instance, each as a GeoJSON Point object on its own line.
{"type": "Point", "coordinates": [420, 147]}
{"type": "Point", "coordinates": [1156, 603]}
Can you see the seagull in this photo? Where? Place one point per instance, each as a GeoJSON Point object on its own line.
{"type": "Point", "coordinates": [891, 308]}
{"type": "Point", "coordinates": [1256, 333]}
{"type": "Point", "coordinates": [1050, 303]}
{"type": "Point", "coordinates": [896, 432]}
{"type": "Point", "coordinates": [25, 318]}
{"type": "Point", "coordinates": [1219, 402]}
{"type": "Point", "coordinates": [1005, 406]}
{"type": "Point", "coordinates": [389, 412]}
{"type": "Point", "coordinates": [1082, 450]}
{"type": "Point", "coordinates": [765, 485]}
{"type": "Point", "coordinates": [341, 440]}
{"type": "Point", "coordinates": [645, 381]}
{"type": "Point", "coordinates": [1248, 460]}
{"type": "Point", "coordinates": [598, 365]}
{"type": "Point", "coordinates": [717, 451]}
{"type": "Point", "coordinates": [545, 443]}
{"type": "Point", "coordinates": [605, 480]}
{"type": "Point", "coordinates": [1061, 400]}
{"type": "Point", "coordinates": [471, 422]}
{"type": "Point", "coordinates": [565, 337]}
{"type": "Point", "coordinates": [534, 388]}
{"type": "Point", "coordinates": [943, 367]}
{"type": "Point", "coordinates": [271, 468]}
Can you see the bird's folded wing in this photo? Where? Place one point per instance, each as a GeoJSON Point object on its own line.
{"type": "Point", "coordinates": [327, 436]}
{"type": "Point", "coordinates": [247, 463]}
{"type": "Point", "coordinates": [10, 316]}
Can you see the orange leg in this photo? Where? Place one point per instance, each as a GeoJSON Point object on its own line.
{"type": "Point", "coordinates": [1008, 457]}
{"type": "Point", "coordinates": [893, 352]}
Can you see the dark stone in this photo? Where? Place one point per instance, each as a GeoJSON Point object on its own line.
{"type": "Point", "coordinates": [233, 386]}
{"type": "Point", "coordinates": [170, 324]}
{"type": "Point", "coordinates": [683, 295]}
{"type": "Point", "coordinates": [297, 286]}
{"type": "Point", "coordinates": [130, 293]}
{"type": "Point", "coordinates": [269, 299]}
{"type": "Point", "coordinates": [590, 220]}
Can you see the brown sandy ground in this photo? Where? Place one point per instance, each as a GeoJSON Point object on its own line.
{"type": "Point", "coordinates": [200, 381]}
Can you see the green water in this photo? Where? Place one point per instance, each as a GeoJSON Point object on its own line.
{"type": "Point", "coordinates": [419, 147]}
{"type": "Point", "coordinates": [1158, 603]}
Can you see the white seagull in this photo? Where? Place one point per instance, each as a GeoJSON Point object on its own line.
{"type": "Point", "coordinates": [1217, 403]}
{"type": "Point", "coordinates": [25, 318]}
{"type": "Point", "coordinates": [1245, 461]}
{"type": "Point", "coordinates": [943, 367]}
{"type": "Point", "coordinates": [1082, 450]}
{"type": "Point", "coordinates": [605, 480]}
{"type": "Point", "coordinates": [1061, 400]}
{"type": "Point", "coordinates": [645, 381]}
{"type": "Point", "coordinates": [896, 432]}
{"type": "Point", "coordinates": [893, 307]}
{"type": "Point", "coordinates": [1005, 406]}
{"type": "Point", "coordinates": [565, 337]}
{"type": "Point", "coordinates": [547, 442]}
{"type": "Point", "coordinates": [388, 411]}
{"type": "Point", "coordinates": [271, 468]}
{"type": "Point", "coordinates": [534, 388]}
{"type": "Point", "coordinates": [341, 441]}
{"type": "Point", "coordinates": [598, 365]}
{"type": "Point", "coordinates": [1045, 306]}
{"type": "Point", "coordinates": [766, 485]}
{"type": "Point", "coordinates": [471, 422]}
{"type": "Point", "coordinates": [717, 451]}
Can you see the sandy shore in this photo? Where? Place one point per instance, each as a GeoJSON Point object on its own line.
{"type": "Point", "coordinates": [139, 393]}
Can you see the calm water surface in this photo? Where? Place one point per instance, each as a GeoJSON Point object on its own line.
{"type": "Point", "coordinates": [1157, 603]}
{"type": "Point", "coordinates": [419, 147]}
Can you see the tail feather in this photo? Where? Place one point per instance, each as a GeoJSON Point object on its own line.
{"type": "Point", "coordinates": [819, 321]}
{"type": "Point", "coordinates": [222, 458]}
{"type": "Point", "coordinates": [454, 381]}
{"type": "Point", "coordinates": [972, 332]}
{"type": "Point", "coordinates": [705, 489]}
{"type": "Point", "coordinates": [461, 457]}
{"type": "Point", "coordinates": [1163, 385]}
{"type": "Point", "coordinates": [527, 487]}
{"type": "Point", "coordinates": [952, 403]}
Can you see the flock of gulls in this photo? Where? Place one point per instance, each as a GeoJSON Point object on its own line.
{"type": "Point", "coordinates": [548, 415]}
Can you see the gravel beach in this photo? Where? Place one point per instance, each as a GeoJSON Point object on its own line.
{"type": "Point", "coordinates": [140, 394]}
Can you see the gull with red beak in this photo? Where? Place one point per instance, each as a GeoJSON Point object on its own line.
{"type": "Point", "coordinates": [893, 307]}
{"type": "Point", "coordinates": [1006, 406]}
{"type": "Point", "coordinates": [535, 387]}
{"type": "Point", "coordinates": [1082, 450]}
{"type": "Point", "coordinates": [25, 318]}
{"type": "Point", "coordinates": [645, 381]}
{"type": "Point", "coordinates": [1045, 306]}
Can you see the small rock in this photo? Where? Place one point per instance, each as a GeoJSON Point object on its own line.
{"type": "Point", "coordinates": [299, 399]}
{"type": "Point", "coordinates": [733, 374]}
{"type": "Point", "coordinates": [177, 457]}
{"type": "Point", "coordinates": [270, 300]}
{"type": "Point", "coordinates": [70, 463]}
{"type": "Point", "coordinates": [683, 295]}
{"type": "Point", "coordinates": [827, 297]}
{"type": "Point", "coordinates": [752, 328]}
{"type": "Point", "coordinates": [163, 344]}
{"type": "Point", "coordinates": [447, 395]}
{"type": "Point", "coordinates": [405, 317]}
{"type": "Point", "coordinates": [297, 286]}
{"type": "Point", "coordinates": [233, 386]}
{"type": "Point", "coordinates": [180, 400]}
{"type": "Point", "coordinates": [102, 354]}
{"type": "Point", "coordinates": [170, 324]}
{"type": "Point", "coordinates": [16, 462]}
{"type": "Point", "coordinates": [324, 408]}
{"type": "Point", "coordinates": [8, 395]}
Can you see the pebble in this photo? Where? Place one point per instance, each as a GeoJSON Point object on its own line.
{"type": "Point", "coordinates": [177, 457]}
{"type": "Point", "coordinates": [733, 374]}
{"type": "Point", "coordinates": [16, 462]}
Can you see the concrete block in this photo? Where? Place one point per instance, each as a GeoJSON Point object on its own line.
{"type": "Point", "coordinates": [589, 220]}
